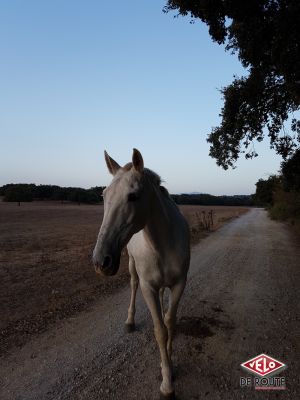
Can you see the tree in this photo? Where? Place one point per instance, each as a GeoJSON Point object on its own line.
{"type": "Point", "coordinates": [19, 193]}
{"type": "Point", "coordinates": [266, 36]}
{"type": "Point", "coordinates": [77, 195]}
{"type": "Point", "coordinates": [59, 193]}
{"type": "Point", "coordinates": [291, 173]}
{"type": "Point", "coordinates": [265, 190]}
{"type": "Point", "coordinates": [43, 192]}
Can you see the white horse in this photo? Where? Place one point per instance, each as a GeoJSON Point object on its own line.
{"type": "Point", "coordinates": [139, 213]}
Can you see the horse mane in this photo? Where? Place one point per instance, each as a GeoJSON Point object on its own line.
{"type": "Point", "coordinates": [156, 179]}
{"type": "Point", "coordinates": [153, 177]}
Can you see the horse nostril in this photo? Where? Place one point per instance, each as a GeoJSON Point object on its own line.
{"type": "Point", "coordinates": [106, 262]}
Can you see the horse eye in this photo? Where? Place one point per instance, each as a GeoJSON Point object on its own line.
{"type": "Point", "coordinates": [133, 197]}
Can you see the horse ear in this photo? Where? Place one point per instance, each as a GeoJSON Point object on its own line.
{"type": "Point", "coordinates": [137, 161]}
{"type": "Point", "coordinates": [112, 165]}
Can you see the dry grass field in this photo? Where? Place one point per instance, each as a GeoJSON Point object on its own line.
{"type": "Point", "coordinates": [46, 272]}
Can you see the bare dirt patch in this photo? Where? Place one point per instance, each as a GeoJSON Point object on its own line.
{"type": "Point", "coordinates": [46, 272]}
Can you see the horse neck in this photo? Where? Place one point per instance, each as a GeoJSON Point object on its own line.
{"type": "Point", "coordinates": [159, 223]}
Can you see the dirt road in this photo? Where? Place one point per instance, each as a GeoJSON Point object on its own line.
{"type": "Point", "coordinates": [242, 299]}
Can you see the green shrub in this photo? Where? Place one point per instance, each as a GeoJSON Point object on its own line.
{"type": "Point", "coordinates": [286, 205]}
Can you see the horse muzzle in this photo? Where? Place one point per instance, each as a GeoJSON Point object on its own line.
{"type": "Point", "coordinates": [107, 265]}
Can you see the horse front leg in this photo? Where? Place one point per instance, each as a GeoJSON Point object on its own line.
{"type": "Point", "coordinates": [151, 297]}
{"type": "Point", "coordinates": [170, 316]}
{"type": "Point", "coordinates": [134, 283]}
{"type": "Point", "coordinates": [161, 300]}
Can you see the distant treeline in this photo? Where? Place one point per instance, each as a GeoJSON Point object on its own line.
{"type": "Point", "coordinates": [21, 192]}
{"type": "Point", "coordinates": [210, 200]}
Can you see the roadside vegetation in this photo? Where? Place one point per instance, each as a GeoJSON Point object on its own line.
{"type": "Point", "coordinates": [280, 194]}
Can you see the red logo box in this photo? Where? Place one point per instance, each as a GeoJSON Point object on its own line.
{"type": "Point", "coordinates": [263, 365]}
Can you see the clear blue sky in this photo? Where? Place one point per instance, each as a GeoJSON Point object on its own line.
{"type": "Point", "coordinates": [78, 77]}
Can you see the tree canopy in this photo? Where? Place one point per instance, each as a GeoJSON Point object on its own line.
{"type": "Point", "coordinates": [265, 35]}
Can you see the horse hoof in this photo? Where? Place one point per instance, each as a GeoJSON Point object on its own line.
{"type": "Point", "coordinates": [167, 396]}
{"type": "Point", "coordinates": [129, 328]}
